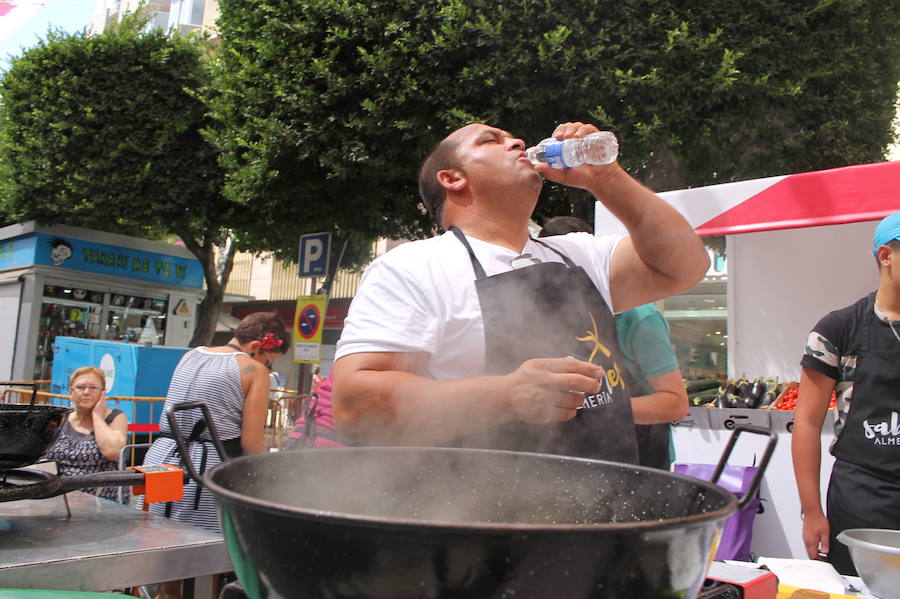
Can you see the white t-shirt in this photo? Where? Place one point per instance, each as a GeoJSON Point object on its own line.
{"type": "Point", "coordinates": [420, 297]}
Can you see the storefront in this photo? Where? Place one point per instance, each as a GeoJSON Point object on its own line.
{"type": "Point", "coordinates": [62, 280]}
{"type": "Point", "coordinates": [797, 247]}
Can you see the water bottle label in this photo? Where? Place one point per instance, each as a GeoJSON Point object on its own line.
{"type": "Point", "coordinates": [553, 154]}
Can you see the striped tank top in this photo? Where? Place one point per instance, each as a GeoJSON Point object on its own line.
{"type": "Point", "coordinates": [215, 379]}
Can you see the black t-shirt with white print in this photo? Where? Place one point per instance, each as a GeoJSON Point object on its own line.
{"type": "Point", "coordinates": [834, 344]}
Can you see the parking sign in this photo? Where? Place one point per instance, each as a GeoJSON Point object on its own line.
{"type": "Point", "coordinates": [313, 259]}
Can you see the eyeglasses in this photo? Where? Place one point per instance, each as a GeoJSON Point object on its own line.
{"type": "Point", "coordinates": [523, 260]}
{"type": "Point", "coordinates": [83, 388]}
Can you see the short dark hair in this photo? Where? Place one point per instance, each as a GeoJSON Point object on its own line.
{"type": "Point", "coordinates": [259, 324]}
{"type": "Point", "coordinates": [560, 225]}
{"type": "Point", "coordinates": [433, 194]}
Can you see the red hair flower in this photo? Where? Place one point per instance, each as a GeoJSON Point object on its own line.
{"type": "Point", "coordinates": [269, 342]}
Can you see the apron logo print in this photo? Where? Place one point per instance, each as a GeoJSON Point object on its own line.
{"type": "Point", "coordinates": [595, 338]}
{"type": "Point", "coordinates": [884, 433]}
{"type": "Point", "coordinates": [613, 377]}
{"type": "Point", "coordinates": [604, 397]}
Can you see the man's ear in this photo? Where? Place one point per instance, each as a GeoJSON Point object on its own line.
{"type": "Point", "coordinates": [451, 179]}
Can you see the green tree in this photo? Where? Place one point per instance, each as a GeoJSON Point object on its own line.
{"type": "Point", "coordinates": [328, 106]}
{"type": "Point", "coordinates": [103, 131]}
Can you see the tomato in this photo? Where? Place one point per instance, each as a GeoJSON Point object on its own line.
{"type": "Point", "coordinates": [788, 400]}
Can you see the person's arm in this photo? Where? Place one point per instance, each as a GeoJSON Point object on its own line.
{"type": "Point", "coordinates": [806, 447]}
{"type": "Point", "coordinates": [662, 256]}
{"type": "Point", "coordinates": [378, 399]}
{"type": "Point", "coordinates": [644, 339]}
{"type": "Point", "coordinates": [667, 403]}
{"type": "Point", "coordinates": [256, 406]}
{"type": "Point", "coordinates": [110, 437]}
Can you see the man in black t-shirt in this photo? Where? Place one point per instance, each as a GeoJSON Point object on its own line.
{"type": "Point", "coordinates": [855, 353]}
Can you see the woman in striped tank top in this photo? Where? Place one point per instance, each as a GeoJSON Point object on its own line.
{"type": "Point", "coordinates": [233, 381]}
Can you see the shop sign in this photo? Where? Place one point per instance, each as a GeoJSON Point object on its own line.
{"type": "Point", "coordinates": [100, 258]}
{"type": "Point", "coordinates": [17, 253]}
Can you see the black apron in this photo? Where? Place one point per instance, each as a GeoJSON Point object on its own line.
{"type": "Point", "coordinates": [652, 439]}
{"type": "Point", "coordinates": [553, 310]}
{"type": "Point", "coordinates": [864, 489]}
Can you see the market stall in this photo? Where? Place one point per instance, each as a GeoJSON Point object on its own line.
{"type": "Point", "coordinates": [797, 247]}
{"type": "Point", "coordinates": [68, 281]}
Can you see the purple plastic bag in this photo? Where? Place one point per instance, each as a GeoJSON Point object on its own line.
{"type": "Point", "coordinates": [738, 530]}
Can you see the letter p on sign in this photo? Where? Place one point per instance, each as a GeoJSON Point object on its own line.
{"type": "Point", "coordinates": [313, 258]}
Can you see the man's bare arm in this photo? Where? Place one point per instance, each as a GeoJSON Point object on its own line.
{"type": "Point", "coordinates": [662, 256]}
{"type": "Point", "coordinates": [378, 399]}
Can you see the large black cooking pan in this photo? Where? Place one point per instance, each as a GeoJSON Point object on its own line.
{"type": "Point", "coordinates": [27, 431]}
{"type": "Point", "coordinates": [422, 523]}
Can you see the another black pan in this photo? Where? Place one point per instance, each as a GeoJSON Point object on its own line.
{"type": "Point", "coordinates": [27, 431]}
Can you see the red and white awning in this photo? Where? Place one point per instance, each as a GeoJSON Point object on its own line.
{"type": "Point", "coordinates": [836, 196]}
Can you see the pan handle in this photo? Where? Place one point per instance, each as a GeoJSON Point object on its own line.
{"type": "Point", "coordinates": [34, 388]}
{"type": "Point", "coordinates": [763, 462]}
{"type": "Point", "coordinates": [182, 443]}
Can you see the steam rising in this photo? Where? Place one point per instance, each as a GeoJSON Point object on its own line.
{"type": "Point", "coordinates": [441, 486]}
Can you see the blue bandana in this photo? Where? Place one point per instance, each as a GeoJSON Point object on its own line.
{"type": "Point", "coordinates": [887, 231]}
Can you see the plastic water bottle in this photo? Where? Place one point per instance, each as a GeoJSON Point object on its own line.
{"type": "Point", "coordinates": [596, 148]}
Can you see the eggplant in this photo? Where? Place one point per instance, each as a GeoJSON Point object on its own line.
{"type": "Point", "coordinates": [757, 389]}
{"type": "Point", "coordinates": [721, 399]}
{"type": "Point", "coordinates": [767, 399]}
{"type": "Point", "coordinates": [735, 401]}
{"type": "Point", "coordinates": [744, 388]}
{"type": "Point", "coordinates": [731, 389]}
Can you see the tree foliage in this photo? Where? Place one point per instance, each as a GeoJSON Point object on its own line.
{"type": "Point", "coordinates": [328, 106]}
{"type": "Point", "coordinates": [103, 131]}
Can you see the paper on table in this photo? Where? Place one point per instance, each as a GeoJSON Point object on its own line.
{"type": "Point", "coordinates": [805, 574]}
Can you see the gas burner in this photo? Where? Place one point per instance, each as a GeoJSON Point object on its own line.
{"type": "Point", "coordinates": [22, 483]}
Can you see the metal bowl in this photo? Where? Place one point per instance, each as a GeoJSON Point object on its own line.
{"type": "Point", "coordinates": [876, 555]}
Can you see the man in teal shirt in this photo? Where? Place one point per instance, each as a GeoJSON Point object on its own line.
{"type": "Point", "coordinates": [658, 393]}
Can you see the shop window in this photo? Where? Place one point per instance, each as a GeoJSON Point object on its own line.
{"type": "Point", "coordinates": [135, 319]}
{"type": "Point", "coordinates": [89, 314]}
{"type": "Point", "coordinates": [698, 320]}
{"type": "Point", "coordinates": [68, 311]}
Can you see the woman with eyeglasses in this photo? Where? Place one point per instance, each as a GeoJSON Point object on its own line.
{"type": "Point", "coordinates": [93, 435]}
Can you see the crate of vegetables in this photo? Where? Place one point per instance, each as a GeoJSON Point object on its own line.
{"type": "Point", "coordinates": [782, 411]}
{"type": "Point", "coordinates": [741, 401]}
{"type": "Point", "coordinates": [697, 417]}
